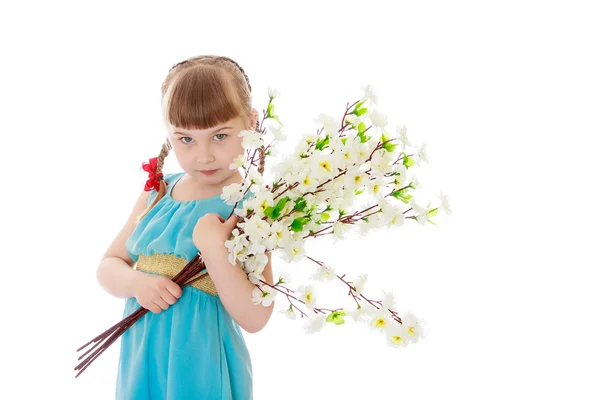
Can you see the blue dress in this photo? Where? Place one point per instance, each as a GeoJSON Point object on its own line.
{"type": "Point", "coordinates": [194, 349]}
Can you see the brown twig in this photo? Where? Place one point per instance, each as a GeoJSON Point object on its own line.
{"type": "Point", "coordinates": [184, 278]}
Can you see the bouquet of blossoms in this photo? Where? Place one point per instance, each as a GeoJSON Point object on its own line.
{"type": "Point", "coordinates": [312, 195]}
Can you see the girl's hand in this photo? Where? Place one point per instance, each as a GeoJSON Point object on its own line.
{"type": "Point", "coordinates": [156, 292]}
{"type": "Point", "coordinates": [212, 230]}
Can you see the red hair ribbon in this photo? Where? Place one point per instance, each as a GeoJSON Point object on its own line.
{"type": "Point", "coordinates": [154, 179]}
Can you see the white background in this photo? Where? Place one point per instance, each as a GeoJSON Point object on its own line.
{"type": "Point", "coordinates": [505, 93]}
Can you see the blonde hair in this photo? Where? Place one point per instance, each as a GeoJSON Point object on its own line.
{"type": "Point", "coordinates": [199, 93]}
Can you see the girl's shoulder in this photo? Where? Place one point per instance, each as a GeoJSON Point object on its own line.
{"type": "Point", "coordinates": [170, 179]}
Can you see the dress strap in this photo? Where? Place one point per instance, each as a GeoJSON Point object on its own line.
{"type": "Point", "coordinates": [172, 180]}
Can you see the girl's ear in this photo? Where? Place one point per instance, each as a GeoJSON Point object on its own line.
{"type": "Point", "coordinates": [253, 118]}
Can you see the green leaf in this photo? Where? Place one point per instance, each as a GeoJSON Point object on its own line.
{"type": "Point", "coordinates": [360, 111]}
{"type": "Point", "coordinates": [408, 162]}
{"type": "Point", "coordinates": [336, 317]}
{"type": "Point", "coordinates": [363, 137]}
{"type": "Point", "coordinates": [358, 191]}
{"type": "Point", "coordinates": [297, 225]}
{"type": "Point", "coordinates": [279, 207]}
{"type": "Point", "coordinates": [402, 195]}
{"type": "Point", "coordinates": [359, 104]}
{"type": "Point", "coordinates": [324, 216]}
{"type": "Point", "coordinates": [321, 143]}
{"type": "Point", "coordinates": [344, 140]}
{"type": "Point", "coordinates": [269, 212]}
{"type": "Point", "coordinates": [270, 110]}
{"type": "Point", "coordinates": [389, 147]}
{"type": "Point", "coordinates": [432, 213]}
{"type": "Point", "coordinates": [300, 204]}
{"type": "Point", "coordinates": [362, 127]}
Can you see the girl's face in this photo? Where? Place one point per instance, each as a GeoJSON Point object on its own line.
{"type": "Point", "coordinates": [206, 154]}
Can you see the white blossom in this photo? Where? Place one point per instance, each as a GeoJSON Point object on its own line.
{"type": "Point", "coordinates": [273, 93]}
{"type": "Point", "coordinates": [315, 324]}
{"type": "Point", "coordinates": [307, 295]}
{"type": "Point", "coordinates": [396, 335]}
{"type": "Point", "coordinates": [414, 328]}
{"type": "Point", "coordinates": [359, 284]}
{"type": "Point", "coordinates": [340, 229]}
{"type": "Point", "coordinates": [422, 154]}
{"type": "Point", "coordinates": [237, 162]}
{"type": "Point", "coordinates": [330, 124]}
{"type": "Point", "coordinates": [256, 228]}
{"type": "Point", "coordinates": [294, 251]}
{"type": "Point", "coordinates": [369, 93]}
{"type": "Point", "coordinates": [401, 131]}
{"type": "Point", "coordinates": [353, 119]}
{"type": "Point", "coordinates": [381, 321]}
{"type": "Point", "coordinates": [232, 193]}
{"type": "Point", "coordinates": [388, 302]}
{"type": "Point", "coordinates": [361, 314]}
{"type": "Point", "coordinates": [445, 206]}
{"type": "Point", "coordinates": [280, 235]}
{"type": "Point", "coordinates": [255, 277]}
{"type": "Point", "coordinates": [277, 131]}
{"type": "Point", "coordinates": [284, 278]}
{"type": "Point", "coordinates": [266, 296]}
{"type": "Point", "coordinates": [378, 118]}
{"type": "Point", "coordinates": [289, 313]}
{"type": "Point", "coordinates": [324, 273]}
{"type": "Point", "coordinates": [251, 139]}
{"type": "Point", "coordinates": [380, 163]}
{"type": "Point", "coordinates": [376, 186]}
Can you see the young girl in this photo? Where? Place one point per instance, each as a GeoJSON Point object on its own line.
{"type": "Point", "coordinates": [190, 346]}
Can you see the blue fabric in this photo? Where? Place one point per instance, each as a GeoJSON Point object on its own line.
{"type": "Point", "coordinates": [194, 349]}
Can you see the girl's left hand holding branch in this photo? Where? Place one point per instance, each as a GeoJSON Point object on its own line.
{"type": "Point", "coordinates": [212, 231]}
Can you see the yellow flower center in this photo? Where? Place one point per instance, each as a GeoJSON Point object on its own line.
{"type": "Point", "coordinates": [326, 165]}
{"type": "Point", "coordinates": [380, 323]}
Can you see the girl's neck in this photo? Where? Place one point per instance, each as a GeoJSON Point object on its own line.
{"type": "Point", "coordinates": [202, 190]}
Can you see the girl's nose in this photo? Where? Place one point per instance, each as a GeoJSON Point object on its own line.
{"type": "Point", "coordinates": [204, 157]}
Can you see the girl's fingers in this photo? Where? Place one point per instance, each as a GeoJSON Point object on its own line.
{"type": "Point", "coordinates": [174, 290]}
{"type": "Point", "coordinates": [168, 297]}
{"type": "Point", "coordinates": [161, 303]}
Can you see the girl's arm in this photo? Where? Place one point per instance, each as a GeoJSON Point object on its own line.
{"type": "Point", "coordinates": [117, 277]}
{"type": "Point", "coordinates": [115, 273]}
{"type": "Point", "coordinates": [235, 290]}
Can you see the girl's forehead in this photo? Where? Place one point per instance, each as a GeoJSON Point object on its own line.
{"type": "Point", "coordinates": [219, 128]}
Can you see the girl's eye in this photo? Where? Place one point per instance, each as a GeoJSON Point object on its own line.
{"type": "Point", "coordinates": [182, 139]}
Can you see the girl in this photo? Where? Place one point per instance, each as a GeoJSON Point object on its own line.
{"type": "Point", "coordinates": [195, 349]}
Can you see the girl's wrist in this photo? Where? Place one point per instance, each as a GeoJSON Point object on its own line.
{"type": "Point", "coordinates": [133, 282]}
